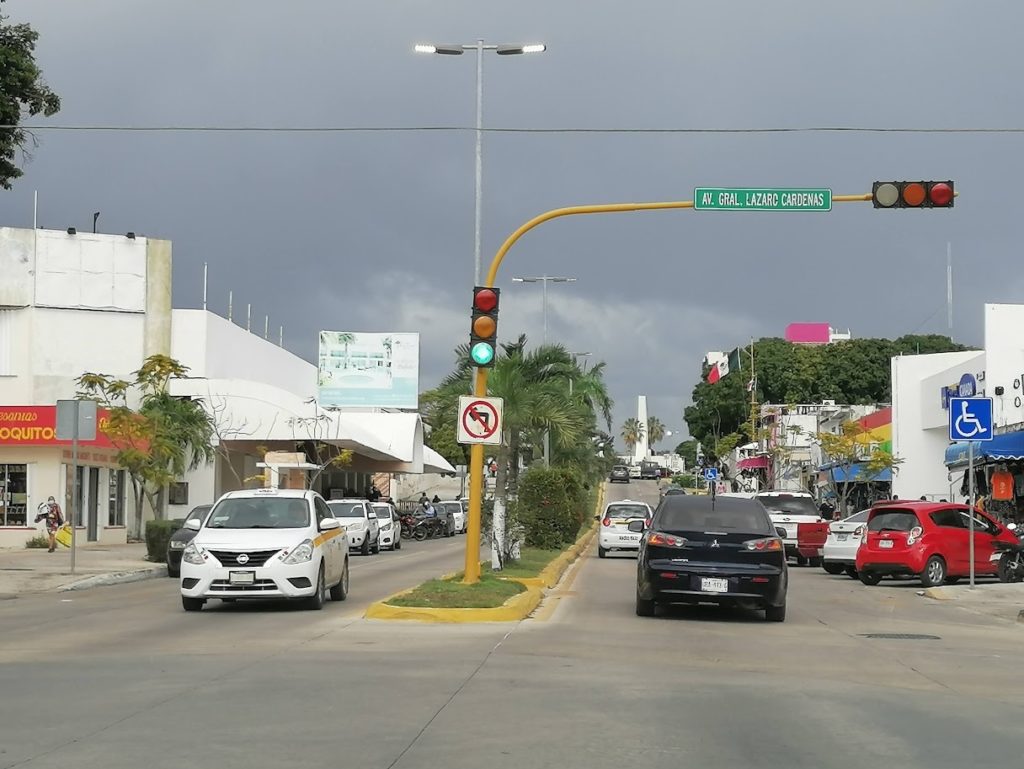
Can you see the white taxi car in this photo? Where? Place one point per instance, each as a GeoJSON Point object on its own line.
{"type": "Point", "coordinates": [268, 544]}
{"type": "Point", "coordinates": [360, 522]}
{"type": "Point", "coordinates": [615, 533]}
{"type": "Point", "coordinates": [840, 551]}
{"type": "Point", "coordinates": [389, 524]}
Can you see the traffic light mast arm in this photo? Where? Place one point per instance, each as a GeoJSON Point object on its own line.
{"type": "Point", "coordinates": [476, 451]}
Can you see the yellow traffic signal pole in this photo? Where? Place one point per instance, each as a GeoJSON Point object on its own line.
{"type": "Point", "coordinates": [476, 451]}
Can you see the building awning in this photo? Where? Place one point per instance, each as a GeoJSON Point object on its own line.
{"type": "Point", "coordinates": [858, 474]}
{"type": "Point", "coordinates": [435, 463]}
{"type": "Point", "coordinates": [1002, 447]}
{"type": "Point", "coordinates": [753, 463]}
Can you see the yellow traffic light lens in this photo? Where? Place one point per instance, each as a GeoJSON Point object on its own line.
{"type": "Point", "coordinates": [484, 327]}
{"type": "Point", "coordinates": [914, 194]}
{"type": "Point", "coordinates": [887, 195]}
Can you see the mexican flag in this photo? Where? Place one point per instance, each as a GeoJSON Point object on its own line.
{"type": "Point", "coordinates": [725, 366]}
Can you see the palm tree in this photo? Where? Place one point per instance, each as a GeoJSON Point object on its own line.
{"type": "Point", "coordinates": [655, 430]}
{"type": "Point", "coordinates": [632, 432]}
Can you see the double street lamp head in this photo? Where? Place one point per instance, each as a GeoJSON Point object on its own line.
{"type": "Point", "coordinates": [449, 49]}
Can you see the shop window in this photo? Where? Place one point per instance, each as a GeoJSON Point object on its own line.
{"type": "Point", "coordinates": [178, 493]}
{"type": "Point", "coordinates": [115, 508]}
{"type": "Point", "coordinates": [14, 495]}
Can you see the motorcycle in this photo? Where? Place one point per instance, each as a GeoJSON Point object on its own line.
{"type": "Point", "coordinates": [1011, 561]}
{"type": "Point", "coordinates": [408, 523]}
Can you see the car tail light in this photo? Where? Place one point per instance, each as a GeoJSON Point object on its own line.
{"type": "Point", "coordinates": [864, 535]}
{"type": "Point", "coordinates": [859, 531]}
{"type": "Point", "coordinates": [914, 535]}
{"type": "Point", "coordinates": [668, 540]}
{"type": "Point", "coordinates": [607, 521]}
{"type": "Point", "coordinates": [767, 545]}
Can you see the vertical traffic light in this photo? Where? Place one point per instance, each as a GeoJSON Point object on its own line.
{"type": "Point", "coordinates": [912, 194]}
{"type": "Point", "coordinates": [483, 333]}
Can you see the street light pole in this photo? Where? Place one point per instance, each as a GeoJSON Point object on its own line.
{"type": "Point", "coordinates": [457, 50]}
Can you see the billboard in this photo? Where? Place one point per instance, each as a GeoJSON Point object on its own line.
{"type": "Point", "coordinates": [368, 370]}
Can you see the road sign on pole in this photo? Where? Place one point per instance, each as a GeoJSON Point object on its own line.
{"type": "Point", "coordinates": [710, 473]}
{"type": "Point", "coordinates": [479, 420]}
{"type": "Point", "coordinates": [761, 199]}
{"type": "Point", "coordinates": [970, 419]}
{"type": "Point", "coordinates": [76, 421]}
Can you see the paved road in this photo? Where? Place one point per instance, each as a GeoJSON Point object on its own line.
{"type": "Point", "coordinates": [121, 677]}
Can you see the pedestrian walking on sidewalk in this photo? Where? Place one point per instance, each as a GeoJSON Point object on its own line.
{"type": "Point", "coordinates": [50, 512]}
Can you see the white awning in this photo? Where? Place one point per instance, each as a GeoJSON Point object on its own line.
{"type": "Point", "coordinates": [435, 463]}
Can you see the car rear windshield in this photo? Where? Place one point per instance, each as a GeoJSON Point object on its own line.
{"type": "Point", "coordinates": [347, 509]}
{"type": "Point", "coordinates": [692, 513]}
{"type": "Point", "coordinates": [452, 507]}
{"type": "Point", "coordinates": [788, 505]}
{"type": "Point", "coordinates": [620, 468]}
{"type": "Point", "coordinates": [259, 513]}
{"type": "Point", "coordinates": [383, 512]}
{"type": "Point", "coordinates": [627, 511]}
{"type": "Point", "coordinates": [893, 520]}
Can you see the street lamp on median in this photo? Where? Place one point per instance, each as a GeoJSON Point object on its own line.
{"type": "Point", "coordinates": [457, 50]}
{"type": "Point", "coordinates": [544, 279]}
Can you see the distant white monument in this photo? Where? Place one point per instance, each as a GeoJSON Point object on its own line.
{"type": "Point", "coordinates": [642, 449]}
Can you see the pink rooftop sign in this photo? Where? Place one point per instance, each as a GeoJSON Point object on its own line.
{"type": "Point", "coordinates": [808, 333]}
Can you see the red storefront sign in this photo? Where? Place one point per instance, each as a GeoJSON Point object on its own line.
{"type": "Point", "coordinates": [37, 426]}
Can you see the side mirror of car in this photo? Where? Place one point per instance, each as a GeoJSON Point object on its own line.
{"type": "Point", "coordinates": [193, 524]}
{"type": "Point", "coordinates": [329, 523]}
{"type": "Point", "coordinates": [637, 527]}
{"type": "Point", "coordinates": [597, 517]}
{"type": "Point", "coordinates": [780, 531]}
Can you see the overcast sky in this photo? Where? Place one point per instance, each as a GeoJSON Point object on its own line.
{"type": "Point", "coordinates": [374, 232]}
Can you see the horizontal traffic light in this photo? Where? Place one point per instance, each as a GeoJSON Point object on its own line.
{"type": "Point", "coordinates": [913, 194]}
{"type": "Point", "coordinates": [483, 331]}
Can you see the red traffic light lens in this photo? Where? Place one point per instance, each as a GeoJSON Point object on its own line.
{"type": "Point", "coordinates": [940, 194]}
{"type": "Point", "coordinates": [485, 300]}
{"type": "Point", "coordinates": [913, 194]}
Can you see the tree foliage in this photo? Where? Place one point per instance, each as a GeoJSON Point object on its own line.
{"type": "Point", "coordinates": [855, 372]}
{"type": "Point", "coordinates": [688, 451]}
{"type": "Point", "coordinates": [22, 92]}
{"type": "Point", "coordinates": [161, 437]}
{"type": "Point", "coordinates": [633, 431]}
{"type": "Point", "coordinates": [655, 430]}
{"type": "Point", "coordinates": [852, 452]}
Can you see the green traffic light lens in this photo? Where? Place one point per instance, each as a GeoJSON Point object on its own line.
{"type": "Point", "coordinates": [482, 353]}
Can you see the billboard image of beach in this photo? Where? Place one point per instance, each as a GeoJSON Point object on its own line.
{"type": "Point", "coordinates": [369, 370]}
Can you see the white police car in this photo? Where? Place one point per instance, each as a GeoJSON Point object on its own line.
{"type": "Point", "coordinates": [266, 544]}
{"type": "Point", "coordinates": [615, 533]}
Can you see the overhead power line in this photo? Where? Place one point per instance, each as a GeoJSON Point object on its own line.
{"type": "Point", "coordinates": [499, 130]}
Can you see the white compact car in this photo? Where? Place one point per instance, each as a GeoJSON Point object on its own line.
{"type": "Point", "coordinates": [458, 513]}
{"type": "Point", "coordinates": [390, 526]}
{"type": "Point", "coordinates": [359, 520]}
{"type": "Point", "coordinates": [634, 471]}
{"type": "Point", "coordinates": [840, 551]}
{"type": "Point", "coordinates": [787, 509]}
{"type": "Point", "coordinates": [265, 543]}
{"type": "Point", "coordinates": [615, 533]}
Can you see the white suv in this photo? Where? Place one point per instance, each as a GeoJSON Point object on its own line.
{"type": "Point", "coordinates": [359, 519]}
{"type": "Point", "coordinates": [265, 543]}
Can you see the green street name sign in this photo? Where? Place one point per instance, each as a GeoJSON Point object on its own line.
{"type": "Point", "coordinates": [761, 199]}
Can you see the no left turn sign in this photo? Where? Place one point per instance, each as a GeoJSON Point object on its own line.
{"type": "Point", "coordinates": [479, 420]}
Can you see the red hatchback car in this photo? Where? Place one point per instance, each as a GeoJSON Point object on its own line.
{"type": "Point", "coordinates": [930, 540]}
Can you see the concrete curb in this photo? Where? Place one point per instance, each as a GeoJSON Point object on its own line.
{"type": "Point", "coordinates": [115, 578]}
{"type": "Point", "coordinates": [516, 608]}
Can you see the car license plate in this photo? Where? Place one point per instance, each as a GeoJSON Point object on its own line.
{"type": "Point", "coordinates": [242, 577]}
{"type": "Point", "coordinates": [842, 537]}
{"type": "Point", "coordinates": [885, 544]}
{"type": "Point", "coordinates": [711, 585]}
{"type": "Point", "coordinates": [632, 537]}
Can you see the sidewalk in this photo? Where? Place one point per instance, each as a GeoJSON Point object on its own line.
{"type": "Point", "coordinates": [37, 571]}
{"type": "Point", "coordinates": [995, 599]}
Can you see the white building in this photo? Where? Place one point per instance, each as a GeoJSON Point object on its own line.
{"type": "Point", "coordinates": [72, 303]}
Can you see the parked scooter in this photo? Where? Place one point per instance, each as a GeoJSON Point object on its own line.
{"type": "Point", "coordinates": [1011, 562]}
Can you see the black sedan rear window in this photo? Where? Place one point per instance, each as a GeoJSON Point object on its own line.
{"type": "Point", "coordinates": [693, 513]}
{"type": "Point", "coordinates": [893, 520]}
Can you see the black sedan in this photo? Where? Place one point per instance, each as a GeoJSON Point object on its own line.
{"type": "Point", "coordinates": [704, 550]}
{"type": "Point", "coordinates": [179, 541]}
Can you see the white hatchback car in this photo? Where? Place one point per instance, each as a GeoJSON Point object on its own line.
{"type": "Point", "coordinates": [390, 526]}
{"type": "Point", "coordinates": [615, 533]}
{"type": "Point", "coordinates": [266, 543]}
{"type": "Point", "coordinates": [360, 521]}
{"type": "Point", "coordinates": [840, 551]}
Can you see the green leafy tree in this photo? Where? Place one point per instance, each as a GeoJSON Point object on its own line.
{"type": "Point", "coordinates": [632, 432]}
{"type": "Point", "coordinates": [22, 92]}
{"type": "Point", "coordinates": [161, 438]}
{"type": "Point", "coordinates": [655, 430]}
{"type": "Point", "coordinates": [852, 452]}
{"type": "Point", "coordinates": [688, 451]}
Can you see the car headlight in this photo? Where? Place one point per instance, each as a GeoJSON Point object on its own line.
{"type": "Point", "coordinates": [301, 553]}
{"type": "Point", "coordinates": [178, 545]}
{"type": "Point", "coordinates": [194, 554]}
{"type": "Point", "coordinates": [385, 526]}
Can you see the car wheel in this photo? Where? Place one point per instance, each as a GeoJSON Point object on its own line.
{"type": "Point", "coordinates": [934, 572]}
{"type": "Point", "coordinates": [644, 607]}
{"type": "Point", "coordinates": [833, 568]}
{"type": "Point", "coordinates": [340, 591]}
{"type": "Point", "coordinates": [192, 604]}
{"type": "Point", "coordinates": [816, 562]}
{"type": "Point", "coordinates": [851, 572]}
{"type": "Point", "coordinates": [398, 544]}
{"type": "Point", "coordinates": [376, 546]}
{"type": "Point", "coordinates": [601, 552]}
{"type": "Point", "coordinates": [173, 571]}
{"type": "Point", "coordinates": [365, 547]}
{"type": "Point", "coordinates": [316, 601]}
{"type": "Point", "coordinates": [869, 578]}
{"type": "Point", "coordinates": [775, 613]}
{"type": "Point", "coordinates": [801, 561]}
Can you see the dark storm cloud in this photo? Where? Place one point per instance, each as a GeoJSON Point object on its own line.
{"type": "Point", "coordinates": [374, 231]}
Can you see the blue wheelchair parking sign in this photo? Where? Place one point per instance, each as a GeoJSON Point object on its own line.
{"type": "Point", "coordinates": [710, 473]}
{"type": "Point", "coordinates": [970, 419]}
